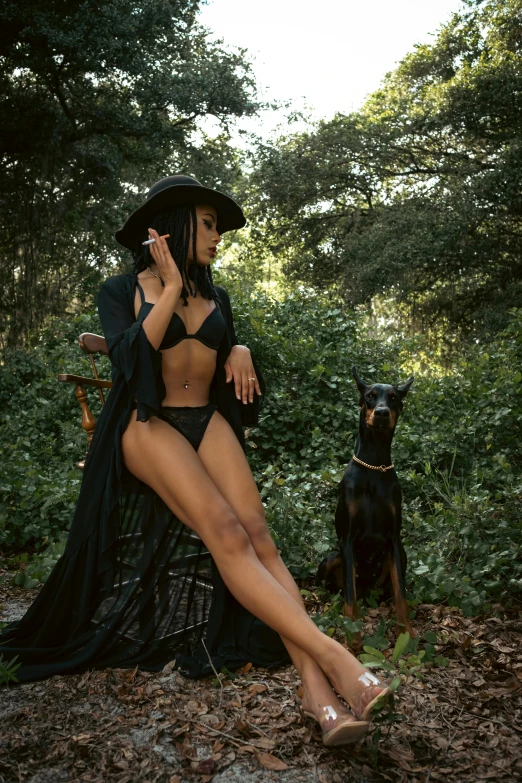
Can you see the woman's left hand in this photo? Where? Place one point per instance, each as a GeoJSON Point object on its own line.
{"type": "Point", "coordinates": [240, 369]}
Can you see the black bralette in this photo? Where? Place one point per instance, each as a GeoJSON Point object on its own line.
{"type": "Point", "coordinates": [210, 333]}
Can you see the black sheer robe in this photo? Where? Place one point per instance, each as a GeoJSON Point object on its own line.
{"type": "Point", "coordinates": [134, 585]}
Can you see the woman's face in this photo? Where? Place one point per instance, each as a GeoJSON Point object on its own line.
{"type": "Point", "coordinates": [207, 237]}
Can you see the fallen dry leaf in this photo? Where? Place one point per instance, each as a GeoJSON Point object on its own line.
{"type": "Point", "coordinates": [245, 749]}
{"type": "Point", "coordinates": [265, 743]}
{"type": "Point", "coordinates": [268, 761]}
{"type": "Point", "coordinates": [257, 687]}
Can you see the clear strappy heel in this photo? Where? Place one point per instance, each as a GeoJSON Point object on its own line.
{"type": "Point", "coordinates": [339, 729]}
{"type": "Point", "coordinates": [362, 704]}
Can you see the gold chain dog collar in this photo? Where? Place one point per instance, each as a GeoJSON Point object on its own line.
{"type": "Point", "coordinates": [382, 468]}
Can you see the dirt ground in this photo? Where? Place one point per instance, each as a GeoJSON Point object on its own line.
{"type": "Point", "coordinates": [462, 722]}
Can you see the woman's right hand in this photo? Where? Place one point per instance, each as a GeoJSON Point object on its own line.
{"type": "Point", "coordinates": [167, 268]}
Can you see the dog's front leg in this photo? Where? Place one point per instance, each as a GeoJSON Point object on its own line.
{"type": "Point", "coordinates": [350, 594]}
{"type": "Point", "coordinates": [396, 559]}
{"type": "Point", "coordinates": [351, 609]}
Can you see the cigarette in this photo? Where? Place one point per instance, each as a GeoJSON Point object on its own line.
{"type": "Point", "coordinates": [150, 241]}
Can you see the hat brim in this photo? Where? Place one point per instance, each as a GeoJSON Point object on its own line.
{"type": "Point", "coordinates": [229, 214]}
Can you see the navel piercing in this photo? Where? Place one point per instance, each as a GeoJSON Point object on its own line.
{"type": "Point", "coordinates": [186, 384]}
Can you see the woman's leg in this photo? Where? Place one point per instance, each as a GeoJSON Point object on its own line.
{"type": "Point", "coordinates": [227, 466]}
{"type": "Point", "coordinates": [158, 455]}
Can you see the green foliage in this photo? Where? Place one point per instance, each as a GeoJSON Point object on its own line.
{"type": "Point", "coordinates": [41, 441]}
{"type": "Point", "coordinates": [30, 570]}
{"type": "Point", "coordinates": [417, 195]}
{"type": "Point", "coordinates": [7, 670]}
{"type": "Point", "coordinates": [456, 448]}
{"type": "Point", "coordinates": [332, 620]}
{"type": "Point", "coordinates": [406, 658]}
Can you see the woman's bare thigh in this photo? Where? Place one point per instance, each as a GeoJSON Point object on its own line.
{"type": "Point", "coordinates": [162, 458]}
{"type": "Point", "coordinates": [226, 464]}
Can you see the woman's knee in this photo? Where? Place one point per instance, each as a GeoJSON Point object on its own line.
{"type": "Point", "coordinates": [260, 537]}
{"type": "Point", "coordinates": [227, 534]}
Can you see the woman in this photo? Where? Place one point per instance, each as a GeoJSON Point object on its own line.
{"type": "Point", "coordinates": [166, 482]}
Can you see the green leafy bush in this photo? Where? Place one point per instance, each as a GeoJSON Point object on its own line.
{"type": "Point", "coordinates": [41, 439]}
{"type": "Point", "coordinates": [456, 448]}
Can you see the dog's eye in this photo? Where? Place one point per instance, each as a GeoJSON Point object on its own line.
{"type": "Point", "coordinates": [393, 397]}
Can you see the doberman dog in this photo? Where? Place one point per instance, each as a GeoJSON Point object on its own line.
{"type": "Point", "coordinates": [368, 519]}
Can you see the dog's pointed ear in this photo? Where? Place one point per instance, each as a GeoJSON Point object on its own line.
{"type": "Point", "coordinates": [363, 387]}
{"type": "Point", "coordinates": [404, 389]}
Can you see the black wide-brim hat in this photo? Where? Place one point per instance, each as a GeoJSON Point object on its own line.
{"type": "Point", "coordinates": [174, 191]}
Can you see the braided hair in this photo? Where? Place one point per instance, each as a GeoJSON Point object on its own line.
{"type": "Point", "coordinates": [178, 222]}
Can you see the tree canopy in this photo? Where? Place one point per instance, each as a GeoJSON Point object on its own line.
{"type": "Point", "coordinates": [98, 101]}
{"type": "Point", "coordinates": [418, 195]}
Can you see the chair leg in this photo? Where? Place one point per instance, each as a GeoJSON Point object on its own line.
{"type": "Point", "coordinates": [88, 420]}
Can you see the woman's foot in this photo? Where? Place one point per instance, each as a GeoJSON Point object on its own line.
{"type": "Point", "coordinates": [339, 725]}
{"type": "Point", "coordinates": [373, 696]}
{"type": "Point", "coordinates": [338, 729]}
{"type": "Point", "coordinates": [361, 689]}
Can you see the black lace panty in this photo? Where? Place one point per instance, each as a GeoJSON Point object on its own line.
{"type": "Point", "coordinates": [190, 422]}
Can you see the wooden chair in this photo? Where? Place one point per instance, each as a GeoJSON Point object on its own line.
{"type": "Point", "coordinates": [90, 344]}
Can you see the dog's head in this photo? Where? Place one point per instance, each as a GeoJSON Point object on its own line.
{"type": "Point", "coordinates": [381, 403]}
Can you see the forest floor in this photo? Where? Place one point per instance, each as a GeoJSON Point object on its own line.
{"type": "Point", "coordinates": [459, 722]}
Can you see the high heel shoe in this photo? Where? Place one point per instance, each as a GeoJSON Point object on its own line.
{"type": "Point", "coordinates": [339, 729]}
{"type": "Point", "coordinates": [370, 681]}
